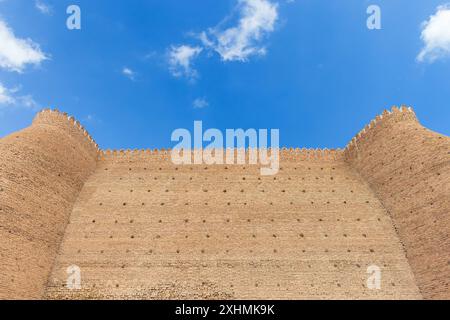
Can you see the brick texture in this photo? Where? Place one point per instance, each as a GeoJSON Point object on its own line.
{"type": "Point", "coordinates": [42, 170]}
{"type": "Point", "coordinates": [144, 228]}
{"type": "Point", "coordinates": [408, 167]}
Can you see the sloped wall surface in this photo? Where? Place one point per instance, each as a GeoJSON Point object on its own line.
{"type": "Point", "coordinates": [138, 226]}
{"type": "Point", "coordinates": [42, 170]}
{"type": "Point", "coordinates": [143, 227]}
{"type": "Point", "coordinates": [408, 167]}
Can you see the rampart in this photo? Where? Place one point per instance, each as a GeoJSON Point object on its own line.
{"type": "Point", "coordinates": [139, 226]}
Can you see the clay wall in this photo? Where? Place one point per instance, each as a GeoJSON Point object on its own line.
{"type": "Point", "coordinates": [143, 227]}
{"type": "Point", "coordinates": [42, 169]}
{"type": "Point", "coordinates": [139, 226]}
{"type": "Point", "coordinates": [408, 167]}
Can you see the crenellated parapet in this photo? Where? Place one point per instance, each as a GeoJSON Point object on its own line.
{"type": "Point", "coordinates": [386, 119]}
{"type": "Point", "coordinates": [68, 124]}
{"type": "Point", "coordinates": [285, 153]}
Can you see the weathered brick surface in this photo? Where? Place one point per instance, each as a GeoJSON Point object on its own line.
{"type": "Point", "coordinates": [42, 169]}
{"type": "Point", "coordinates": [145, 228]}
{"type": "Point", "coordinates": [142, 227]}
{"type": "Point", "coordinates": [408, 167]}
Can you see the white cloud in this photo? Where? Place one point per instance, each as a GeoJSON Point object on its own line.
{"type": "Point", "coordinates": [180, 60]}
{"type": "Point", "coordinates": [200, 103]}
{"type": "Point", "coordinates": [43, 7]}
{"type": "Point", "coordinates": [257, 20]}
{"type": "Point", "coordinates": [10, 98]}
{"type": "Point", "coordinates": [6, 97]}
{"type": "Point", "coordinates": [129, 73]}
{"type": "Point", "coordinates": [436, 36]}
{"type": "Point", "coordinates": [15, 53]}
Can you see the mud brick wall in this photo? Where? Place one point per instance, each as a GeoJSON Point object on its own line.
{"type": "Point", "coordinates": [408, 167]}
{"type": "Point", "coordinates": [139, 226]}
{"type": "Point", "coordinates": [42, 170]}
{"type": "Point", "coordinates": [143, 227]}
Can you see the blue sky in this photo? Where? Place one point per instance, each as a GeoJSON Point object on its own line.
{"type": "Point", "coordinates": [139, 69]}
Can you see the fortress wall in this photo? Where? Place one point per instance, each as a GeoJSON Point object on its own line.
{"type": "Point", "coordinates": [42, 170]}
{"type": "Point", "coordinates": [408, 166]}
{"type": "Point", "coordinates": [143, 227]}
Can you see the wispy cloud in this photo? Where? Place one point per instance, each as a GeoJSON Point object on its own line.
{"type": "Point", "coordinates": [130, 74]}
{"type": "Point", "coordinates": [436, 35]}
{"type": "Point", "coordinates": [6, 97]}
{"type": "Point", "coordinates": [11, 98]}
{"type": "Point", "coordinates": [180, 61]}
{"type": "Point", "coordinates": [43, 7]}
{"type": "Point", "coordinates": [257, 19]}
{"type": "Point", "coordinates": [236, 38]}
{"type": "Point", "coordinates": [16, 53]}
{"type": "Point", "coordinates": [200, 103]}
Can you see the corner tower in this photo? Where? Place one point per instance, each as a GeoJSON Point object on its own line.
{"type": "Point", "coordinates": [408, 167]}
{"type": "Point", "coordinates": [42, 170]}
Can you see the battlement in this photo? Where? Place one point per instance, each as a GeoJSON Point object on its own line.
{"type": "Point", "coordinates": [69, 123]}
{"type": "Point", "coordinates": [387, 118]}
{"type": "Point", "coordinates": [285, 153]}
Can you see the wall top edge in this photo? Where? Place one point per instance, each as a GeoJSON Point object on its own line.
{"type": "Point", "coordinates": [399, 113]}
{"type": "Point", "coordinates": [71, 120]}
{"type": "Point", "coordinates": [395, 112]}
